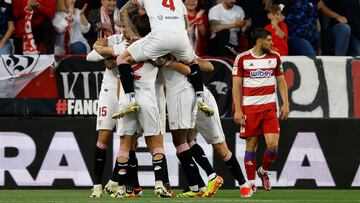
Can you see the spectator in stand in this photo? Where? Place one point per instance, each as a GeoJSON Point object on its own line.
{"type": "Point", "coordinates": [70, 23]}
{"type": "Point", "coordinates": [226, 21]}
{"type": "Point", "coordinates": [304, 27]}
{"type": "Point", "coordinates": [256, 10]}
{"type": "Point", "coordinates": [278, 29]}
{"type": "Point", "coordinates": [37, 15]}
{"type": "Point", "coordinates": [345, 27]}
{"type": "Point", "coordinates": [198, 26]}
{"type": "Point", "coordinates": [302, 21]}
{"type": "Point", "coordinates": [104, 21]}
{"type": "Point", "coordinates": [7, 27]}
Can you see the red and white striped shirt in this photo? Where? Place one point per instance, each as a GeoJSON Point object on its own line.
{"type": "Point", "coordinates": [258, 73]}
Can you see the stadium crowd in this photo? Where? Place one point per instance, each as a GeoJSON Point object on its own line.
{"type": "Point", "coordinates": [218, 28]}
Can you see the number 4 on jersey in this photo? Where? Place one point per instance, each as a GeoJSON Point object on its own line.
{"type": "Point", "coordinates": [169, 5]}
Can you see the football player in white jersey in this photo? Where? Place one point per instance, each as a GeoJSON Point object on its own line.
{"type": "Point", "coordinates": [210, 128]}
{"type": "Point", "coordinates": [148, 119]}
{"type": "Point", "coordinates": [168, 36]}
{"type": "Point", "coordinates": [107, 106]}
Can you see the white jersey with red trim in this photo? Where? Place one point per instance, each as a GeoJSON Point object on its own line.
{"type": "Point", "coordinates": [144, 79]}
{"type": "Point", "coordinates": [259, 80]}
{"type": "Point", "coordinates": [144, 73]}
{"type": "Point", "coordinates": [164, 15]}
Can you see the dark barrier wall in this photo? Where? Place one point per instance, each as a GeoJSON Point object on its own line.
{"type": "Point", "coordinates": [58, 152]}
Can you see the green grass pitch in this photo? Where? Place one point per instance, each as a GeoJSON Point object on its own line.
{"type": "Point", "coordinates": [223, 196]}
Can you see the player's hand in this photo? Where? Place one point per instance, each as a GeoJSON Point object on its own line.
{"type": "Point", "coordinates": [110, 63]}
{"type": "Point", "coordinates": [240, 118]}
{"type": "Point", "coordinates": [97, 48]}
{"type": "Point", "coordinates": [284, 111]}
{"type": "Point", "coordinates": [102, 42]}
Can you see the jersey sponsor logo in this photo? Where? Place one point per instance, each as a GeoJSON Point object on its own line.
{"type": "Point", "coordinates": [261, 73]}
{"type": "Point", "coordinates": [160, 17]}
{"type": "Point", "coordinates": [171, 17]}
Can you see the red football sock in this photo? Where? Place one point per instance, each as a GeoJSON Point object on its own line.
{"type": "Point", "coordinates": [250, 164]}
{"type": "Point", "coordinates": [269, 158]}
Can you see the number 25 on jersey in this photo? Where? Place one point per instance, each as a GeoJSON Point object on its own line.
{"type": "Point", "coordinates": [169, 4]}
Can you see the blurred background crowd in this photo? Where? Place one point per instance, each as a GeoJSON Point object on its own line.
{"type": "Point", "coordinates": [217, 27]}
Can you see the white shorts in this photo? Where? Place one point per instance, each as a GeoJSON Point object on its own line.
{"type": "Point", "coordinates": [180, 108]}
{"type": "Point", "coordinates": [210, 127]}
{"type": "Point", "coordinates": [107, 106]}
{"type": "Point", "coordinates": [161, 100]}
{"type": "Point", "coordinates": [147, 119]}
{"type": "Point", "coordinates": [158, 44]}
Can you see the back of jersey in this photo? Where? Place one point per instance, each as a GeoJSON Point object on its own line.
{"type": "Point", "coordinates": [165, 15]}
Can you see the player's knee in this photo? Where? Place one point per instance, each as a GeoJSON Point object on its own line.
{"type": "Point", "coordinates": [272, 146]}
{"type": "Point", "coordinates": [104, 136]}
{"type": "Point", "coordinates": [221, 150]}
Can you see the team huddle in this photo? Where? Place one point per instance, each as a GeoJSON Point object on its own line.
{"type": "Point", "coordinates": [151, 68]}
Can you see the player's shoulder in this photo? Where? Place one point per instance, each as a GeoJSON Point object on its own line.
{"type": "Point", "coordinates": [243, 54]}
{"type": "Point", "coordinates": [274, 54]}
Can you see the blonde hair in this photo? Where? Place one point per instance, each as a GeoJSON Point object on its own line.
{"type": "Point", "coordinates": [61, 6]}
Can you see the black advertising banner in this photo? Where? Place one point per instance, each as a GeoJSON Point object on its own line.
{"type": "Point", "coordinates": [78, 78]}
{"type": "Point", "coordinates": [219, 83]}
{"type": "Point", "coordinates": [58, 153]}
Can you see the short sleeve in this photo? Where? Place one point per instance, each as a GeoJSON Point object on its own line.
{"type": "Point", "coordinates": [240, 12]}
{"type": "Point", "coordinates": [238, 67]}
{"type": "Point", "coordinates": [214, 14]}
{"type": "Point", "coordinates": [279, 70]}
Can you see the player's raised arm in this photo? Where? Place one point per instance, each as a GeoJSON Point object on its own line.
{"type": "Point", "coordinates": [130, 8]}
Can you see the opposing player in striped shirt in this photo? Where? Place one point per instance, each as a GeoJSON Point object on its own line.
{"type": "Point", "coordinates": [255, 75]}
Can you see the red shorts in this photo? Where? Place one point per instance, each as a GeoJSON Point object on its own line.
{"type": "Point", "coordinates": [260, 123]}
